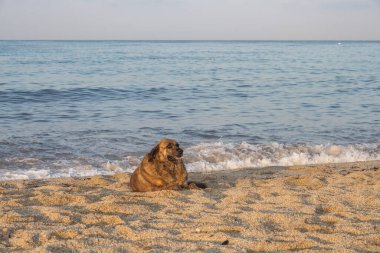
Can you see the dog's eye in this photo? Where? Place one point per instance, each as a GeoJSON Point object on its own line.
{"type": "Point", "coordinates": [169, 146]}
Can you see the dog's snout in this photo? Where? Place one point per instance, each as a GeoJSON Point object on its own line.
{"type": "Point", "coordinates": [180, 151]}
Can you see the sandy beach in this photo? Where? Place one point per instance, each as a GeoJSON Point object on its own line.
{"type": "Point", "coordinates": [318, 208]}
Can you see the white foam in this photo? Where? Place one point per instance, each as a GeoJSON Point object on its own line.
{"type": "Point", "coordinates": [219, 156]}
{"type": "Point", "coordinates": [207, 157]}
{"type": "Point", "coordinates": [32, 173]}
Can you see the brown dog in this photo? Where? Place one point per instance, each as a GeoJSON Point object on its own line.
{"type": "Point", "coordinates": [161, 169]}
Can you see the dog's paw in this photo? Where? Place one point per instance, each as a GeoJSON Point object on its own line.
{"type": "Point", "coordinates": [196, 185]}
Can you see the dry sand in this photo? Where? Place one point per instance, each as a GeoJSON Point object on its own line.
{"type": "Point", "coordinates": [332, 208]}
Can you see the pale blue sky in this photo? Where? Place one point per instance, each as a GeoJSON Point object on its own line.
{"type": "Point", "coordinates": [191, 19]}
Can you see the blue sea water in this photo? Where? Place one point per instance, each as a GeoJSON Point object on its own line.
{"type": "Point", "coordinates": [79, 108]}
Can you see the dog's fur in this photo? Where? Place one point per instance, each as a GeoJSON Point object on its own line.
{"type": "Point", "coordinates": [161, 169]}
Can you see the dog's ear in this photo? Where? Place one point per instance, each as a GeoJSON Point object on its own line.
{"type": "Point", "coordinates": [153, 153]}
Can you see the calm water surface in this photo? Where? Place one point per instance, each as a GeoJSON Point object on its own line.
{"type": "Point", "coordinates": [72, 108]}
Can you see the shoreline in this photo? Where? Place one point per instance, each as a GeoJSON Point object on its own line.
{"type": "Point", "coordinates": [311, 208]}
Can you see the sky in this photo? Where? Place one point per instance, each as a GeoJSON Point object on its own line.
{"type": "Point", "coordinates": [190, 19]}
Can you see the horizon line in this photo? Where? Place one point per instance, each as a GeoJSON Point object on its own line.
{"type": "Point", "coordinates": [206, 40]}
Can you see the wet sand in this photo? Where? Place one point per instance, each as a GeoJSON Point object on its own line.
{"type": "Point", "coordinates": [331, 208]}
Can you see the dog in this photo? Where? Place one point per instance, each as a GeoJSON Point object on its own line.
{"type": "Point", "coordinates": [162, 169]}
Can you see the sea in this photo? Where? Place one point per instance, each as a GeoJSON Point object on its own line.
{"type": "Point", "coordinates": [82, 108]}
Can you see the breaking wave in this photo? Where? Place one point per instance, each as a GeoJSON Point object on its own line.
{"type": "Point", "coordinates": [219, 156]}
{"type": "Point", "coordinates": [204, 157]}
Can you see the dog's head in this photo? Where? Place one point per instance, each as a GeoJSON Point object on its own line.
{"type": "Point", "coordinates": [166, 150]}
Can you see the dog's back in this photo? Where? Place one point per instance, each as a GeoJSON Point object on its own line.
{"type": "Point", "coordinates": [138, 182]}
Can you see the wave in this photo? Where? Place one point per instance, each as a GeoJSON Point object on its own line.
{"type": "Point", "coordinates": [203, 157]}
{"type": "Point", "coordinates": [78, 94]}
{"type": "Point", "coordinates": [219, 156]}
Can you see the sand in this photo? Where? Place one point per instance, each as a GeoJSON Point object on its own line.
{"type": "Point", "coordinates": [319, 208]}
